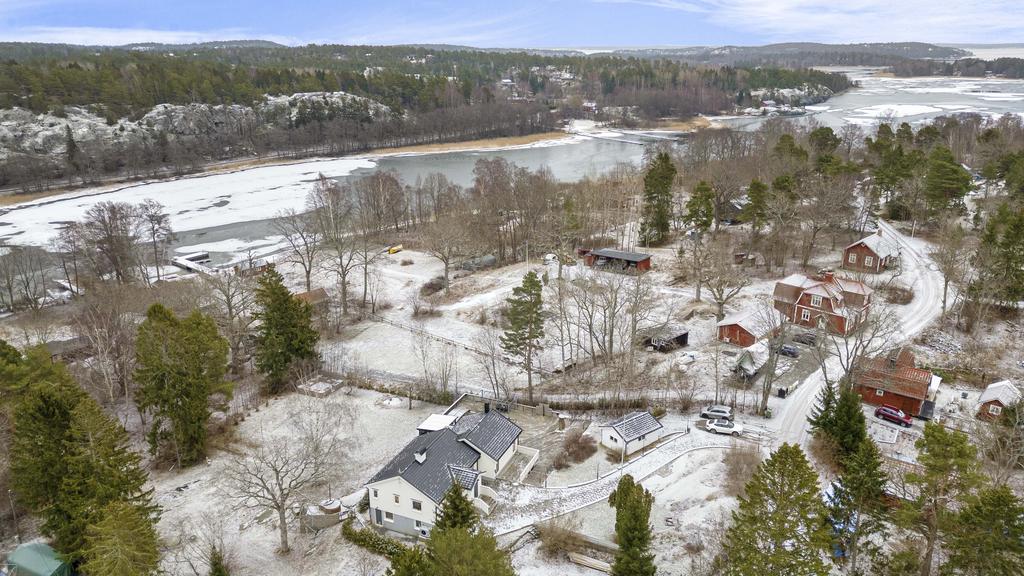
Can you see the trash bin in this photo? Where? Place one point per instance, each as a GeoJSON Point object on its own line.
{"type": "Point", "coordinates": [783, 392]}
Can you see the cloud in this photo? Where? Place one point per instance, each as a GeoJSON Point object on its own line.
{"type": "Point", "coordinates": [99, 36]}
{"type": "Point", "coordinates": [982, 21]}
{"type": "Point", "coordinates": [457, 27]}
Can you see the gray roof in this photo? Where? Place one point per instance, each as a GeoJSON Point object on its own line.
{"type": "Point", "coordinates": [466, 476]}
{"type": "Point", "coordinates": [634, 425]}
{"type": "Point", "coordinates": [433, 477]}
{"type": "Point", "coordinates": [620, 255]}
{"type": "Point", "coordinates": [491, 432]}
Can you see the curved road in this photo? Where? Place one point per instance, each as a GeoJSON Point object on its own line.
{"type": "Point", "coordinates": [919, 273]}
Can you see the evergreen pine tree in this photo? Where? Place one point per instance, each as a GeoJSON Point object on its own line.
{"type": "Point", "coordinates": [71, 152]}
{"type": "Point", "coordinates": [632, 503]}
{"type": "Point", "coordinates": [456, 511]}
{"type": "Point", "coordinates": [700, 208]}
{"type": "Point", "coordinates": [286, 333]}
{"type": "Point", "coordinates": [946, 182]}
{"type": "Point", "coordinates": [848, 428]}
{"type": "Point", "coordinates": [754, 211]}
{"type": "Point", "coordinates": [779, 528]}
{"type": "Point", "coordinates": [987, 538]}
{"type": "Point", "coordinates": [460, 552]}
{"type": "Point", "coordinates": [101, 469]}
{"type": "Point", "coordinates": [180, 363]}
{"type": "Point", "coordinates": [656, 219]}
{"type": "Point", "coordinates": [42, 428]}
{"type": "Point", "coordinates": [949, 472]}
{"type": "Point", "coordinates": [525, 325]}
{"type": "Point", "coordinates": [857, 510]}
{"type": "Point", "coordinates": [122, 543]}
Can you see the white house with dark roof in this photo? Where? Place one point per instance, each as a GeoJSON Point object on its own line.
{"type": "Point", "coordinates": [405, 494]}
{"type": "Point", "coordinates": [634, 431]}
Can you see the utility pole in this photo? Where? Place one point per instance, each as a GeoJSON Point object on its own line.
{"type": "Point", "coordinates": [14, 512]}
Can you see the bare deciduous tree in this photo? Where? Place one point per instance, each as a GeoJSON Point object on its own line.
{"type": "Point", "coordinates": [233, 301]}
{"type": "Point", "coordinates": [303, 239]}
{"type": "Point", "coordinates": [157, 225]}
{"type": "Point", "coordinates": [333, 213]}
{"type": "Point", "coordinates": [281, 470]}
{"type": "Point", "coordinates": [724, 279]}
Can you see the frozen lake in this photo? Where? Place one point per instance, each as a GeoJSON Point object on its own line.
{"type": "Point", "coordinates": [228, 214]}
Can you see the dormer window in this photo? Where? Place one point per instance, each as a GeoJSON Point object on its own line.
{"type": "Point", "coordinates": [816, 301]}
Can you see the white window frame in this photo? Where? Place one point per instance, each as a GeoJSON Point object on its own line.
{"type": "Point", "coordinates": [852, 258]}
{"type": "Point", "coordinates": [389, 516]}
{"type": "Point", "coordinates": [995, 409]}
{"type": "Point", "coordinates": [869, 261]}
{"type": "Point", "coordinates": [815, 300]}
{"type": "Point", "coordinates": [805, 315]}
{"type": "Point", "coordinates": [417, 505]}
{"type": "Point", "coordinates": [879, 392]}
{"type": "Point", "coordinates": [397, 499]}
{"type": "Point", "coordinates": [418, 524]}
{"type": "Point", "coordinates": [374, 492]}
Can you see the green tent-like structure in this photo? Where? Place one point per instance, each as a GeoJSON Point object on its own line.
{"type": "Point", "coordinates": [36, 559]}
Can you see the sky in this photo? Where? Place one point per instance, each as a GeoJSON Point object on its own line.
{"type": "Point", "coordinates": [514, 23]}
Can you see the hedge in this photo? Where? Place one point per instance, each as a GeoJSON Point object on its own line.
{"type": "Point", "coordinates": [371, 540]}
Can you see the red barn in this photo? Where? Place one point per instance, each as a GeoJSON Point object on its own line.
{"type": "Point", "coordinates": [894, 379]}
{"type": "Point", "coordinates": [872, 254]}
{"type": "Point", "coordinates": [743, 328]}
{"type": "Point", "coordinates": [825, 300]}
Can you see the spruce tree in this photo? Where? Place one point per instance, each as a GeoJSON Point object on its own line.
{"type": "Point", "coordinates": [286, 335]}
{"type": "Point", "coordinates": [822, 418]}
{"type": "Point", "coordinates": [42, 429]}
{"type": "Point", "coordinates": [779, 528]}
{"type": "Point", "coordinates": [755, 211]}
{"type": "Point", "coordinates": [857, 510]}
{"type": "Point", "coordinates": [525, 325]}
{"type": "Point", "coordinates": [848, 428]}
{"type": "Point", "coordinates": [632, 503]}
{"type": "Point", "coordinates": [101, 468]}
{"type": "Point", "coordinates": [700, 208]}
{"type": "Point", "coordinates": [122, 543]}
{"type": "Point", "coordinates": [180, 363]}
{"type": "Point", "coordinates": [656, 220]}
{"type": "Point", "coordinates": [460, 552]}
{"type": "Point", "coordinates": [456, 511]}
{"type": "Point", "coordinates": [987, 538]}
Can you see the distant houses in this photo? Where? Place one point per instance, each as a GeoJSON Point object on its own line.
{"type": "Point", "coordinates": [825, 301]}
{"type": "Point", "coordinates": [872, 254]}
{"type": "Point", "coordinates": [895, 380]}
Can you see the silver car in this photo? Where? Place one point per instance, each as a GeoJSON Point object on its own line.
{"type": "Point", "coordinates": [724, 427]}
{"type": "Point", "coordinates": [717, 411]}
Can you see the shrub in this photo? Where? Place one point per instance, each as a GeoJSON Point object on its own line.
{"type": "Point", "coordinates": [364, 503]}
{"type": "Point", "coordinates": [432, 286]}
{"type": "Point", "coordinates": [558, 536]}
{"type": "Point", "coordinates": [423, 310]}
{"type": "Point", "coordinates": [658, 412]}
{"type": "Point", "coordinates": [898, 294]}
{"type": "Point", "coordinates": [371, 540]}
{"type": "Point", "coordinates": [740, 462]}
{"type": "Point", "coordinates": [578, 446]}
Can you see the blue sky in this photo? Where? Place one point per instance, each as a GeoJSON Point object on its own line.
{"type": "Point", "coordinates": [514, 23]}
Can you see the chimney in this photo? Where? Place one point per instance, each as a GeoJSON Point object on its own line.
{"type": "Point", "coordinates": [421, 456]}
{"type": "Point", "coordinates": [879, 231]}
{"type": "Point", "coordinates": [826, 275]}
{"type": "Point", "coordinates": [487, 407]}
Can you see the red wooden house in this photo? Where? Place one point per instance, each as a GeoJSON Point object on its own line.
{"type": "Point", "coordinates": [617, 260]}
{"type": "Point", "coordinates": [996, 398]}
{"type": "Point", "coordinates": [826, 301]}
{"type": "Point", "coordinates": [743, 328]}
{"type": "Point", "coordinates": [872, 254]}
{"type": "Point", "coordinates": [894, 379]}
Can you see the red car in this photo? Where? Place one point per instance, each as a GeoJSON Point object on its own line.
{"type": "Point", "coordinates": [894, 415]}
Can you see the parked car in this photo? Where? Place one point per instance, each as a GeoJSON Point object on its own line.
{"type": "Point", "coordinates": [787, 350]}
{"type": "Point", "coordinates": [723, 426]}
{"type": "Point", "coordinates": [894, 415]}
{"type": "Point", "coordinates": [808, 338]}
{"type": "Point", "coordinates": [717, 411]}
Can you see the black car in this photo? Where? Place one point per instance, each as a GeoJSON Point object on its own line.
{"type": "Point", "coordinates": [808, 338]}
{"type": "Point", "coordinates": [787, 350]}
